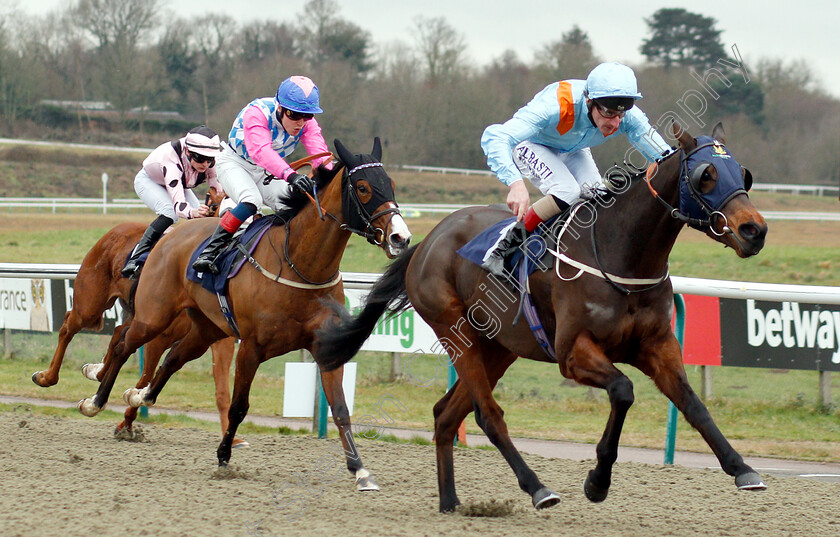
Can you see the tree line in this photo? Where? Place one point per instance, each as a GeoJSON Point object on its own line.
{"type": "Point", "coordinates": [421, 95]}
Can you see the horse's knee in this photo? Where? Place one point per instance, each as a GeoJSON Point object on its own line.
{"type": "Point", "coordinates": [621, 393]}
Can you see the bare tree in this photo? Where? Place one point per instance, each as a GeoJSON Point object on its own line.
{"type": "Point", "coordinates": [326, 37]}
{"type": "Point", "coordinates": [570, 57]}
{"type": "Point", "coordinates": [441, 47]}
{"type": "Point", "coordinates": [118, 28]}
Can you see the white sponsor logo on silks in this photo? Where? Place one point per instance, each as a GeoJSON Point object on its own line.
{"type": "Point", "coordinates": [791, 327]}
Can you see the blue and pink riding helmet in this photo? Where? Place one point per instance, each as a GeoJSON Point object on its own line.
{"type": "Point", "coordinates": [299, 94]}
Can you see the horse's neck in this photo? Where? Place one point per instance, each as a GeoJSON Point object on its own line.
{"type": "Point", "coordinates": [319, 244]}
{"type": "Point", "coordinates": [635, 236]}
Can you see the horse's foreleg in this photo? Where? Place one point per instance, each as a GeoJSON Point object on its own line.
{"type": "Point", "coordinates": [70, 327]}
{"type": "Point", "coordinates": [591, 367]}
{"type": "Point", "coordinates": [247, 361]}
{"type": "Point", "coordinates": [331, 381]}
{"type": "Point", "coordinates": [222, 358]}
{"type": "Point", "coordinates": [664, 365]}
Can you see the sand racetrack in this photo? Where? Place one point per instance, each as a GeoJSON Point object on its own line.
{"type": "Point", "coordinates": [70, 477]}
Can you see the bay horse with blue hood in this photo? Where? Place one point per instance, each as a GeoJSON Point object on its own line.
{"type": "Point", "coordinates": [278, 301]}
{"type": "Point", "coordinates": [607, 300]}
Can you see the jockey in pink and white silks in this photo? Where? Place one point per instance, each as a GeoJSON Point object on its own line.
{"type": "Point", "coordinates": [252, 167]}
{"type": "Point", "coordinates": [165, 184]}
{"type": "Point", "coordinates": [547, 142]}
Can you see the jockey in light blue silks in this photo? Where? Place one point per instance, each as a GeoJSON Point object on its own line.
{"type": "Point", "coordinates": [547, 141]}
{"type": "Point", "coordinates": [264, 133]}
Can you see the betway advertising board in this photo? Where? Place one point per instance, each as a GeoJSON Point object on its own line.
{"type": "Point", "coordinates": [752, 333]}
{"type": "Point", "coordinates": [719, 331]}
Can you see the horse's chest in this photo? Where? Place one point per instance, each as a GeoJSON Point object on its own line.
{"type": "Point", "coordinates": [619, 323]}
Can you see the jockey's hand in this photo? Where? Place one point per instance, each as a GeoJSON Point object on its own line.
{"type": "Point", "coordinates": [201, 211]}
{"type": "Point", "coordinates": [301, 183]}
{"type": "Point", "coordinates": [518, 199]}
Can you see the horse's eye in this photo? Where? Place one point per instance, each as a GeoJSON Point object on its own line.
{"type": "Point", "coordinates": [363, 189]}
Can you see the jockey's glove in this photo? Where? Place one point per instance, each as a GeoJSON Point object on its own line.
{"type": "Point", "coordinates": [301, 183]}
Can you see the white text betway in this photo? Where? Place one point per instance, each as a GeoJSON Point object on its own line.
{"type": "Point", "coordinates": [792, 327]}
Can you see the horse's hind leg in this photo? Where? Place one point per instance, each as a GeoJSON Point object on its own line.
{"type": "Point", "coordinates": [131, 338]}
{"type": "Point", "coordinates": [152, 351]}
{"type": "Point", "coordinates": [331, 381]}
{"type": "Point", "coordinates": [195, 343]}
{"type": "Point", "coordinates": [473, 375]}
{"type": "Point", "coordinates": [663, 363]}
{"type": "Point", "coordinates": [591, 367]}
{"type": "Point", "coordinates": [449, 412]}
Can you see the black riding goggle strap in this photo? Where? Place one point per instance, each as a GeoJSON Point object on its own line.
{"type": "Point", "coordinates": [702, 196]}
{"type": "Point", "coordinates": [360, 220]}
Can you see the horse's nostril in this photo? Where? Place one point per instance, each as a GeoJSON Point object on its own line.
{"type": "Point", "coordinates": [752, 231]}
{"type": "Point", "coordinates": [398, 241]}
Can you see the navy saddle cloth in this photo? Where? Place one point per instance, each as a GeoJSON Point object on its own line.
{"type": "Point", "coordinates": [476, 249]}
{"type": "Point", "coordinates": [228, 261]}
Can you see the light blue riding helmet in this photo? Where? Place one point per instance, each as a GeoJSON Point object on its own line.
{"type": "Point", "coordinates": [299, 94]}
{"type": "Point", "coordinates": [613, 81]}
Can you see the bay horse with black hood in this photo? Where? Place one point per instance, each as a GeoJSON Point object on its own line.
{"type": "Point", "coordinates": [607, 300]}
{"type": "Point", "coordinates": [279, 301]}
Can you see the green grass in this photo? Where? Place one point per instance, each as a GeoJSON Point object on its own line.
{"type": "Point", "coordinates": [763, 412]}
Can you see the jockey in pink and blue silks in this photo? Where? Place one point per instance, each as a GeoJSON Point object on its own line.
{"type": "Point", "coordinates": [264, 133]}
{"type": "Point", "coordinates": [547, 142]}
{"type": "Point", "coordinates": [165, 184]}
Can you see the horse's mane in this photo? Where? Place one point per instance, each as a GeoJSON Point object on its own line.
{"type": "Point", "coordinates": [295, 201]}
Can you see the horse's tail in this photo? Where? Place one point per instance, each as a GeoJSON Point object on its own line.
{"type": "Point", "coordinates": [338, 343]}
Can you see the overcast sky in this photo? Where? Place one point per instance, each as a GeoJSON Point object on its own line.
{"type": "Point", "coordinates": [805, 30]}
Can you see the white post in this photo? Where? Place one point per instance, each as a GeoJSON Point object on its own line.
{"type": "Point", "coordinates": [104, 193]}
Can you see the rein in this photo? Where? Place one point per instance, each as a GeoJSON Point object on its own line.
{"type": "Point", "coordinates": [618, 282]}
{"type": "Point", "coordinates": [371, 233]}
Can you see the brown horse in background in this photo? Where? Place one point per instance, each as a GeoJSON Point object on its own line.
{"type": "Point", "coordinates": [609, 302]}
{"type": "Point", "coordinates": [280, 304]}
{"type": "Point", "coordinates": [98, 285]}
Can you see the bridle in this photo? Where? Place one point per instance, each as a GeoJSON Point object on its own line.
{"type": "Point", "coordinates": [691, 177]}
{"type": "Point", "coordinates": [359, 220]}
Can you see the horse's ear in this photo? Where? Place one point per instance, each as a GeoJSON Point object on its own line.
{"type": "Point", "coordinates": [687, 142]}
{"type": "Point", "coordinates": [343, 154]}
{"type": "Point", "coordinates": [718, 133]}
{"type": "Point", "coordinates": [377, 149]}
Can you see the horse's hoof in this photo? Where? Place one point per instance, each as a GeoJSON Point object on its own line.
{"type": "Point", "coordinates": [239, 443]}
{"type": "Point", "coordinates": [593, 492]}
{"type": "Point", "coordinates": [88, 407]}
{"type": "Point", "coordinates": [90, 371]}
{"type": "Point", "coordinates": [136, 398]}
{"type": "Point", "coordinates": [449, 507]}
{"type": "Point", "coordinates": [365, 481]}
{"type": "Point", "coordinates": [545, 497]}
{"type": "Point", "coordinates": [750, 481]}
{"type": "Point", "coordinates": [36, 376]}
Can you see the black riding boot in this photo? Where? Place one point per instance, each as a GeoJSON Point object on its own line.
{"type": "Point", "coordinates": [205, 262]}
{"type": "Point", "coordinates": [150, 237]}
{"type": "Point", "coordinates": [495, 263]}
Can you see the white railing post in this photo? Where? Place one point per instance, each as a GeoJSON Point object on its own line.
{"type": "Point", "coordinates": [104, 193]}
